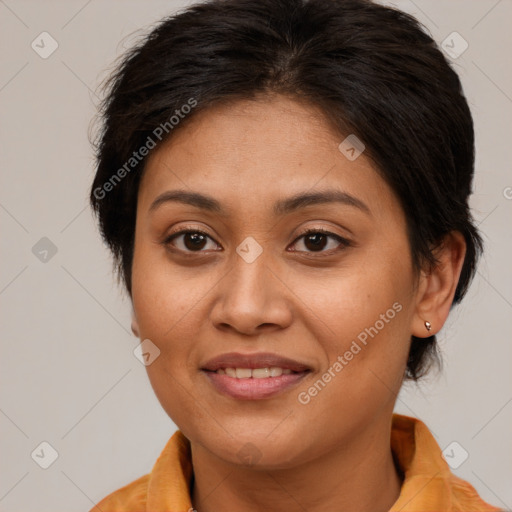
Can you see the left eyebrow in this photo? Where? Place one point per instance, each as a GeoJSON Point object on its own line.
{"type": "Point", "coordinates": [298, 201]}
{"type": "Point", "coordinates": [281, 207]}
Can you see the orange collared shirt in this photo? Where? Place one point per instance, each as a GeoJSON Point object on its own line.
{"type": "Point", "coordinates": [428, 486]}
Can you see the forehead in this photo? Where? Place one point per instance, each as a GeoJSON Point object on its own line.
{"type": "Point", "coordinates": [252, 152]}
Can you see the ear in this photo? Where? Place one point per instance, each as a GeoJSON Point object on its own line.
{"type": "Point", "coordinates": [437, 286]}
{"type": "Point", "coordinates": [135, 325]}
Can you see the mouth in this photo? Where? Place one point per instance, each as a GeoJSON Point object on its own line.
{"type": "Point", "coordinates": [254, 373]}
{"type": "Point", "coordinates": [253, 376]}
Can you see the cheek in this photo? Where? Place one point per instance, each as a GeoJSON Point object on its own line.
{"type": "Point", "coordinates": [167, 308]}
{"type": "Point", "coordinates": [367, 345]}
{"type": "Point", "coordinates": [164, 295]}
{"type": "Point", "coordinates": [340, 304]}
{"type": "Point", "coordinates": [362, 320]}
{"type": "Point", "coordinates": [171, 306]}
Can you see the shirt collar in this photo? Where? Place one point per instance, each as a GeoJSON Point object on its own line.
{"type": "Point", "coordinates": [428, 482]}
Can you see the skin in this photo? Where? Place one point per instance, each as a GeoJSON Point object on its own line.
{"type": "Point", "coordinates": [332, 453]}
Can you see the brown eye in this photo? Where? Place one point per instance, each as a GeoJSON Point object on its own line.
{"type": "Point", "coordinates": [194, 241]}
{"type": "Point", "coordinates": [190, 241]}
{"type": "Point", "coordinates": [316, 240]}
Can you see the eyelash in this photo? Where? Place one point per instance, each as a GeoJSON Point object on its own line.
{"type": "Point", "coordinates": [344, 243]}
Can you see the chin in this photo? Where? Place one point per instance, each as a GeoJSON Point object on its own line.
{"type": "Point", "coordinates": [257, 451]}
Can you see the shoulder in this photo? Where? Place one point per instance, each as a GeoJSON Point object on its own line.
{"type": "Point", "coordinates": [429, 483]}
{"type": "Point", "coordinates": [466, 498]}
{"type": "Point", "coordinates": [169, 479]}
{"type": "Point", "coordinates": [130, 498]}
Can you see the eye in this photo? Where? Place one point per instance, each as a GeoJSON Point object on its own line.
{"type": "Point", "coordinates": [190, 241]}
{"type": "Point", "coordinates": [316, 240]}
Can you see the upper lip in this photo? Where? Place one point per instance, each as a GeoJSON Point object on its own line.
{"type": "Point", "coordinates": [257, 360]}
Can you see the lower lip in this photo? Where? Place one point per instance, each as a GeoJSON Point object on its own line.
{"type": "Point", "coordinates": [253, 389]}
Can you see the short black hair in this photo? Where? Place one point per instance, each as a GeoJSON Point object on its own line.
{"type": "Point", "coordinates": [372, 70]}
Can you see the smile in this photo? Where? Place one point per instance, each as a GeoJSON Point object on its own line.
{"type": "Point", "coordinates": [255, 373]}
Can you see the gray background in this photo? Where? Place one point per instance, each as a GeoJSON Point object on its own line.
{"type": "Point", "coordinates": [68, 373]}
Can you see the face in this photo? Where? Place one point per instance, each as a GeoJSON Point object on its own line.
{"type": "Point", "coordinates": [278, 318]}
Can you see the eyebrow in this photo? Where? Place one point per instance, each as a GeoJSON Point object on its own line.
{"type": "Point", "coordinates": [281, 207]}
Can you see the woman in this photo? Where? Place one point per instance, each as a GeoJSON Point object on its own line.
{"type": "Point", "coordinates": [284, 186]}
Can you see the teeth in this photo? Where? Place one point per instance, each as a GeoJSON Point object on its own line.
{"type": "Point", "coordinates": [243, 373]}
{"type": "Point", "coordinates": [260, 373]}
{"type": "Point", "coordinates": [256, 373]}
{"type": "Point", "coordinates": [276, 372]}
{"type": "Point", "coordinates": [230, 372]}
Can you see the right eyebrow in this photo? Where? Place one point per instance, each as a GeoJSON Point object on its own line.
{"type": "Point", "coordinates": [191, 198]}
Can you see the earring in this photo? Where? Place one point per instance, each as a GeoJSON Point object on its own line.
{"type": "Point", "coordinates": [428, 326]}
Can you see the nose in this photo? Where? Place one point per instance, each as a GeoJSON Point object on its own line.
{"type": "Point", "coordinates": [252, 299]}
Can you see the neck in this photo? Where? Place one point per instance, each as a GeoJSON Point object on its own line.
{"type": "Point", "coordinates": [358, 477]}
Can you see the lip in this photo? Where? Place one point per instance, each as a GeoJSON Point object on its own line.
{"type": "Point", "coordinates": [256, 360]}
{"type": "Point", "coordinates": [251, 388]}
